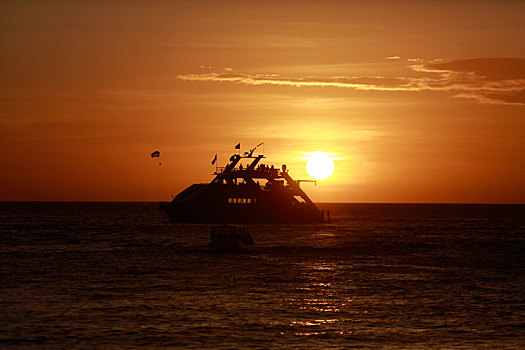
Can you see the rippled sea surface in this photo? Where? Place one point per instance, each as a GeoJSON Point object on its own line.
{"type": "Point", "coordinates": [117, 275]}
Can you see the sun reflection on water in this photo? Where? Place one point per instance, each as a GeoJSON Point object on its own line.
{"type": "Point", "coordinates": [323, 292]}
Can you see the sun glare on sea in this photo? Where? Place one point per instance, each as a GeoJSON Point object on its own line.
{"type": "Point", "coordinates": [320, 165]}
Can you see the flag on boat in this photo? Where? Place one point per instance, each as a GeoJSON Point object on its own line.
{"type": "Point", "coordinates": [238, 146]}
{"type": "Point", "coordinates": [214, 160]}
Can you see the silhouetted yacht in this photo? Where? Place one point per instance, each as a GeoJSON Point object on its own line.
{"type": "Point", "coordinates": [256, 193]}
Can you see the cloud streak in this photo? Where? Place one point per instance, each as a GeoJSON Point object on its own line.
{"type": "Point", "coordinates": [358, 83]}
{"type": "Point", "coordinates": [492, 81]}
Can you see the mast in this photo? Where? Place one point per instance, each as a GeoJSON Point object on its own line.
{"type": "Point", "coordinates": [235, 159]}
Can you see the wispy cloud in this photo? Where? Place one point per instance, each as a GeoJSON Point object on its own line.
{"type": "Point", "coordinates": [486, 80]}
{"type": "Point", "coordinates": [358, 83]}
{"type": "Point", "coordinates": [493, 81]}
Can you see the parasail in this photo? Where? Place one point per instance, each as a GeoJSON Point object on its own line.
{"type": "Point", "coordinates": [156, 154]}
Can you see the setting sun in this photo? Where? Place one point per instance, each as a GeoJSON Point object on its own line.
{"type": "Point", "coordinates": [320, 165]}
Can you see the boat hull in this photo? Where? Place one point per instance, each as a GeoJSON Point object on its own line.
{"type": "Point", "coordinates": [212, 203]}
{"type": "Point", "coordinates": [255, 215]}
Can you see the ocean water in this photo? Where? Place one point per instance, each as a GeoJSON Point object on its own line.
{"type": "Point", "coordinates": [118, 275]}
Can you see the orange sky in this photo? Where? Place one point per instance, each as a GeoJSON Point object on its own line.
{"type": "Point", "coordinates": [418, 101]}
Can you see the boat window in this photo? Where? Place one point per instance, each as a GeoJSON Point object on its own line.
{"type": "Point", "coordinates": [300, 199]}
{"type": "Point", "coordinates": [242, 200]}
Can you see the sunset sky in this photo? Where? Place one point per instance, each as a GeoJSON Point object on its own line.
{"type": "Point", "coordinates": [417, 101]}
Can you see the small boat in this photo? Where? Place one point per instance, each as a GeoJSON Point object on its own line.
{"type": "Point", "coordinates": [230, 238]}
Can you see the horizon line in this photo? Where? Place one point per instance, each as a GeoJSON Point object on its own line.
{"type": "Point", "coordinates": [138, 201]}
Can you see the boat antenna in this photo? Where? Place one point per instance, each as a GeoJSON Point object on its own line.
{"type": "Point", "coordinates": [261, 144]}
